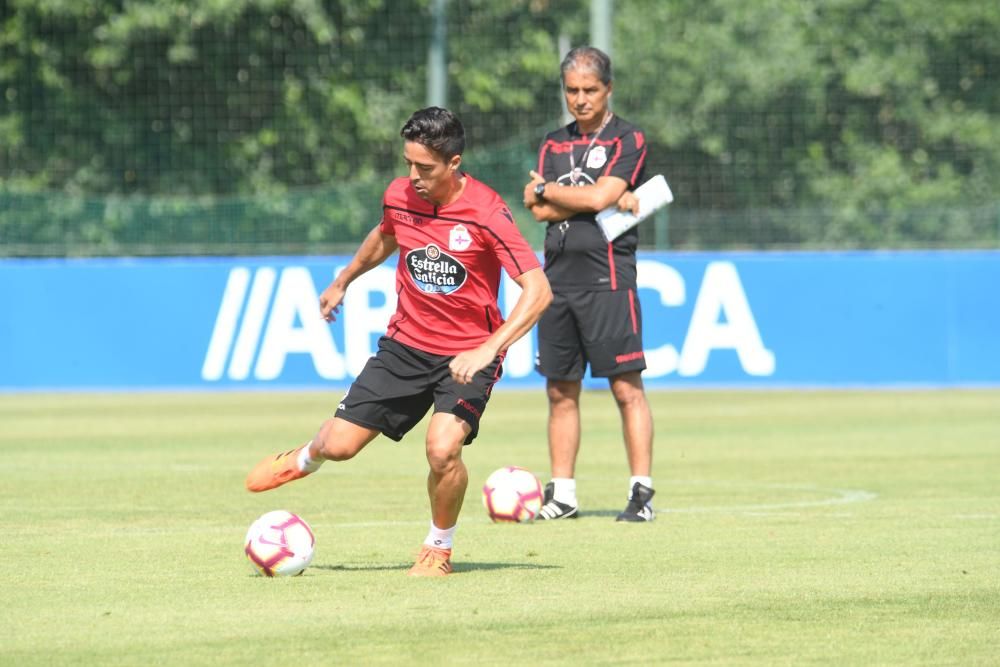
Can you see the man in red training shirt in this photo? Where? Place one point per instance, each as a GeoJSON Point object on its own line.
{"type": "Point", "coordinates": [447, 339]}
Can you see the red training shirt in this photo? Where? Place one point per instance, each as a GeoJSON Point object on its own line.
{"type": "Point", "coordinates": [448, 274]}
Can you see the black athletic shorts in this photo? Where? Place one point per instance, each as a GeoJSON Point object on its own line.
{"type": "Point", "coordinates": [399, 384]}
{"type": "Point", "coordinates": [603, 329]}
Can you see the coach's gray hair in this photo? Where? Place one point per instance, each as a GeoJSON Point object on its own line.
{"type": "Point", "coordinates": [587, 59]}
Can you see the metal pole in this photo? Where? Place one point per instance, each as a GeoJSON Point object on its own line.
{"type": "Point", "coordinates": [661, 222]}
{"type": "Point", "coordinates": [437, 61]}
{"type": "Point", "coordinates": [601, 18]}
{"type": "Point", "coordinates": [564, 48]}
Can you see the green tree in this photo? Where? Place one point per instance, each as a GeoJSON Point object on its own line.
{"type": "Point", "coordinates": [879, 121]}
{"type": "Point", "coordinates": [271, 125]}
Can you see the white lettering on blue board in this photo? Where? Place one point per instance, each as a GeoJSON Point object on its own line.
{"type": "Point", "coordinates": [266, 315]}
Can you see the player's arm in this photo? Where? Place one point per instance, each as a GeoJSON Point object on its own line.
{"type": "Point", "coordinates": [559, 202]}
{"type": "Point", "coordinates": [548, 212]}
{"type": "Point", "coordinates": [586, 198]}
{"type": "Point", "coordinates": [536, 295]}
{"type": "Point", "coordinates": [543, 210]}
{"type": "Point", "coordinates": [374, 250]}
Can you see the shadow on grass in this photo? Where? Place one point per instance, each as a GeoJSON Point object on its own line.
{"type": "Point", "coordinates": [372, 567]}
{"type": "Point", "coordinates": [467, 567]}
{"type": "Point", "coordinates": [586, 513]}
{"type": "Point", "coordinates": [459, 567]}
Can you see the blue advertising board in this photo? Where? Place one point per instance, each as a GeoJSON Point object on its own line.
{"type": "Point", "coordinates": [767, 319]}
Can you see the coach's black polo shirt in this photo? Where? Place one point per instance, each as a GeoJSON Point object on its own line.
{"type": "Point", "coordinates": [577, 257]}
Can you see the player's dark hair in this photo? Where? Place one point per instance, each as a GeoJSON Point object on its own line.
{"type": "Point", "coordinates": [587, 59]}
{"type": "Point", "coordinates": [437, 129]}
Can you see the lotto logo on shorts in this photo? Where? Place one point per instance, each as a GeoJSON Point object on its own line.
{"type": "Point", "coordinates": [435, 271]}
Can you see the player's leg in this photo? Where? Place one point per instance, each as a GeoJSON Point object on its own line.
{"type": "Point", "coordinates": [454, 424]}
{"type": "Point", "coordinates": [561, 361]}
{"type": "Point", "coordinates": [447, 476]}
{"type": "Point", "coordinates": [389, 396]}
{"type": "Point", "coordinates": [637, 426]}
{"type": "Point", "coordinates": [637, 421]}
{"type": "Point", "coordinates": [339, 440]}
{"type": "Point", "coordinates": [559, 501]}
{"type": "Point", "coordinates": [614, 347]}
{"type": "Point", "coordinates": [336, 440]}
{"type": "Point", "coordinates": [564, 425]}
{"type": "Point", "coordinates": [447, 480]}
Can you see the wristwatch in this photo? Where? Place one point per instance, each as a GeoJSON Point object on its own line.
{"type": "Point", "coordinates": [540, 191]}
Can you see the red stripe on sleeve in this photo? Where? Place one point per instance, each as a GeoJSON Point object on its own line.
{"type": "Point", "coordinates": [541, 158]}
{"type": "Point", "coordinates": [618, 154]}
{"type": "Point", "coordinates": [638, 166]}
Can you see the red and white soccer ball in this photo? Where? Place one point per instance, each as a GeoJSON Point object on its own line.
{"type": "Point", "coordinates": [512, 495]}
{"type": "Point", "coordinates": [279, 544]}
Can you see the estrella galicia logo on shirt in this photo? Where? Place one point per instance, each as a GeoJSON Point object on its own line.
{"type": "Point", "coordinates": [435, 271]}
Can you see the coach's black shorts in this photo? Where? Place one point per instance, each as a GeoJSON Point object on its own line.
{"type": "Point", "coordinates": [397, 386]}
{"type": "Point", "coordinates": [603, 329]}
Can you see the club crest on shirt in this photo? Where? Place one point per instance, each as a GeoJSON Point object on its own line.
{"type": "Point", "coordinates": [459, 238]}
{"type": "Point", "coordinates": [434, 271]}
{"type": "Point", "coordinates": [597, 157]}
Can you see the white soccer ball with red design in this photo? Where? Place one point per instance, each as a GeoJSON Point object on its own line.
{"type": "Point", "coordinates": [512, 495]}
{"type": "Point", "coordinates": [279, 544]}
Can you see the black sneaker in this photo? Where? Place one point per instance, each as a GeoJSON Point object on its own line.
{"type": "Point", "coordinates": [553, 509]}
{"type": "Point", "coordinates": [638, 508]}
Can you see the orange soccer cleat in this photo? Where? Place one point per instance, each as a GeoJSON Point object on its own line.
{"type": "Point", "coordinates": [431, 562]}
{"type": "Point", "coordinates": [274, 471]}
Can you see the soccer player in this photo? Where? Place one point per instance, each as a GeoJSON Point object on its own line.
{"type": "Point", "coordinates": [446, 341]}
{"type": "Point", "coordinates": [584, 167]}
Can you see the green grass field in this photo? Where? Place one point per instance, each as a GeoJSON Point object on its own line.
{"type": "Point", "coordinates": [794, 528]}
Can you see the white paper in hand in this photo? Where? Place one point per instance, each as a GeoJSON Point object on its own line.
{"type": "Point", "coordinates": [653, 195]}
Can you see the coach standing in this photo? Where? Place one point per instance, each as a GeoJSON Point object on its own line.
{"type": "Point", "coordinates": [584, 167]}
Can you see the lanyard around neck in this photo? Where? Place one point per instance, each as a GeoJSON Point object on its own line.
{"type": "Point", "coordinates": [574, 171]}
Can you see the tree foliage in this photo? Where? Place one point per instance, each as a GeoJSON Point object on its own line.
{"type": "Point", "coordinates": [240, 123]}
{"type": "Point", "coordinates": [882, 119]}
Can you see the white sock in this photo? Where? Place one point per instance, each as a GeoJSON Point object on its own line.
{"type": "Point", "coordinates": [645, 481]}
{"type": "Point", "coordinates": [565, 490]}
{"type": "Point", "coordinates": [306, 462]}
{"type": "Point", "coordinates": [440, 539]}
